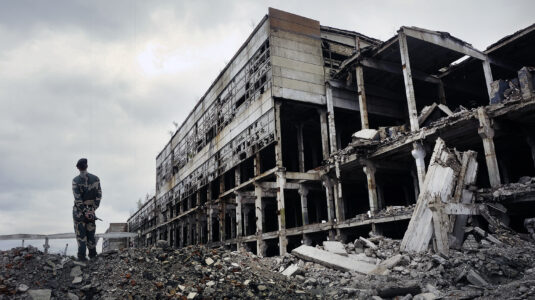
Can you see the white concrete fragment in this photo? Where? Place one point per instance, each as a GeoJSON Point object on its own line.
{"type": "Point", "coordinates": [192, 295]}
{"type": "Point", "coordinates": [288, 272]}
{"type": "Point", "coordinates": [368, 243]}
{"type": "Point", "coordinates": [387, 264]}
{"type": "Point", "coordinates": [332, 260]}
{"type": "Point", "coordinates": [335, 247]}
{"type": "Point", "coordinates": [209, 261]}
{"type": "Point", "coordinates": [367, 134]}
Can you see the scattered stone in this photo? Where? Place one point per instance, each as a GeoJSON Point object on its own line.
{"type": "Point", "coordinates": [76, 271]}
{"type": "Point", "coordinates": [23, 288]}
{"type": "Point", "coordinates": [291, 270]}
{"type": "Point", "coordinates": [77, 279]}
{"type": "Point", "coordinates": [209, 261]}
{"type": "Point", "coordinates": [72, 296]}
{"type": "Point", "coordinates": [425, 296]}
{"type": "Point", "coordinates": [474, 278]}
{"type": "Point", "coordinates": [368, 243]}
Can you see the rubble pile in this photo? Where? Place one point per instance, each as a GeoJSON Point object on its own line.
{"type": "Point", "coordinates": [524, 186]}
{"type": "Point", "coordinates": [481, 269]}
{"type": "Point", "coordinates": [194, 272]}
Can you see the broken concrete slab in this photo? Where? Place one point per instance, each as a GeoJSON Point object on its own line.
{"type": "Point", "coordinates": [474, 278]}
{"type": "Point", "coordinates": [290, 270]}
{"type": "Point", "coordinates": [366, 134]}
{"type": "Point", "coordinates": [368, 243]}
{"type": "Point", "coordinates": [335, 247]}
{"type": "Point", "coordinates": [387, 264]}
{"type": "Point", "coordinates": [332, 260]}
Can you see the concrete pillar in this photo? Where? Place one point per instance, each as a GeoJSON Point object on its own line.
{"type": "Point", "coordinates": [416, 185]}
{"type": "Point", "coordinates": [222, 221]}
{"type": "Point", "coordinates": [278, 135]}
{"type": "Point", "coordinates": [237, 175]}
{"type": "Point", "coordinates": [330, 119]}
{"type": "Point", "coordinates": [233, 223]}
{"type": "Point", "coordinates": [303, 192]}
{"type": "Point", "coordinates": [359, 74]}
{"type": "Point", "coordinates": [300, 147]}
{"type": "Point", "coordinates": [239, 200]}
{"type": "Point", "coordinates": [488, 76]}
{"type": "Point", "coordinates": [418, 152]}
{"type": "Point", "coordinates": [409, 87]}
{"type": "Point", "coordinates": [209, 213]}
{"type": "Point", "coordinates": [441, 93]}
{"type": "Point", "coordinates": [328, 184]}
{"type": "Point", "coordinates": [369, 170]}
{"type": "Point", "coordinates": [338, 195]}
{"type": "Point", "coordinates": [324, 133]}
{"type": "Point", "coordinates": [256, 164]}
{"type": "Point", "coordinates": [281, 184]}
{"type": "Point", "coordinates": [260, 246]}
{"type": "Point", "coordinates": [487, 134]}
{"type": "Point", "coordinates": [245, 217]}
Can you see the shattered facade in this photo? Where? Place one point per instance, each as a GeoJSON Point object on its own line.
{"type": "Point", "coordinates": [313, 133]}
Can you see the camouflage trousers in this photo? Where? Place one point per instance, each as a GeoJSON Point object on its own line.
{"type": "Point", "coordinates": [85, 233]}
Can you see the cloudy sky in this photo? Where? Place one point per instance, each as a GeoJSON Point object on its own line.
{"type": "Point", "coordinates": [106, 79]}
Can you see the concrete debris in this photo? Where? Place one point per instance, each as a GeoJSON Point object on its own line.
{"type": "Point", "coordinates": [366, 134]}
{"type": "Point", "coordinates": [474, 278]}
{"type": "Point", "coordinates": [368, 243]}
{"type": "Point", "coordinates": [334, 247]}
{"type": "Point", "coordinates": [332, 260]}
{"type": "Point", "coordinates": [291, 270]}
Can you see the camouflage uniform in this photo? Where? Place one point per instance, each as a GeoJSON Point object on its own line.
{"type": "Point", "coordinates": [87, 195]}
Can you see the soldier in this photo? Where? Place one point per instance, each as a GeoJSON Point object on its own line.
{"type": "Point", "coordinates": [87, 195]}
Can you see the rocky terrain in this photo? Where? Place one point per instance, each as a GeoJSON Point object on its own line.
{"type": "Point", "coordinates": [499, 266]}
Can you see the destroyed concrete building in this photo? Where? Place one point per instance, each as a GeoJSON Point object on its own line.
{"type": "Point", "coordinates": [313, 133]}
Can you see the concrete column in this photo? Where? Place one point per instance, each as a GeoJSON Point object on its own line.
{"type": "Point", "coordinates": [338, 195]}
{"type": "Point", "coordinates": [441, 93]}
{"type": "Point", "coordinates": [330, 119]}
{"type": "Point", "coordinates": [303, 192]}
{"type": "Point", "coordinates": [369, 170]}
{"type": "Point", "coordinates": [407, 76]}
{"type": "Point", "coordinates": [324, 133]}
{"type": "Point", "coordinates": [233, 223]}
{"type": "Point", "coordinates": [256, 164]}
{"type": "Point", "coordinates": [328, 184]}
{"type": "Point", "coordinates": [488, 76]}
{"type": "Point", "coordinates": [260, 246]}
{"type": "Point", "coordinates": [300, 147]}
{"type": "Point", "coordinates": [245, 217]}
{"type": "Point", "coordinates": [239, 200]}
{"type": "Point", "coordinates": [359, 74]}
{"type": "Point", "coordinates": [487, 134]}
{"type": "Point", "coordinates": [222, 221]}
{"type": "Point", "coordinates": [198, 230]}
{"type": "Point", "coordinates": [278, 134]}
{"type": "Point", "coordinates": [210, 211]}
{"type": "Point", "coordinates": [418, 153]}
{"type": "Point", "coordinates": [281, 184]}
{"type": "Point", "coordinates": [181, 234]}
{"type": "Point", "coordinates": [416, 185]}
{"type": "Point", "coordinates": [306, 240]}
{"type": "Point", "coordinates": [237, 175]}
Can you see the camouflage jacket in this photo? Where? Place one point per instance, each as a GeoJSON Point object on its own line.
{"type": "Point", "coordinates": [87, 192]}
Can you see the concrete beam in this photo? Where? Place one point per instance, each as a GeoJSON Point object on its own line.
{"type": "Point", "coordinates": [359, 74]}
{"type": "Point", "coordinates": [407, 76]}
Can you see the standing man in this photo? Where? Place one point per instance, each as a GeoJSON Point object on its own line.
{"type": "Point", "coordinates": [87, 195]}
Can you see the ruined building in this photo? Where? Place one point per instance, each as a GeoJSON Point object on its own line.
{"type": "Point", "coordinates": [313, 133]}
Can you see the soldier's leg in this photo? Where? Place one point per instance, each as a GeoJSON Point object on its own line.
{"type": "Point", "coordinates": [81, 238]}
{"type": "Point", "coordinates": [91, 243]}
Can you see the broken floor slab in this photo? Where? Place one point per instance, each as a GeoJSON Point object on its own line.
{"type": "Point", "coordinates": [335, 247]}
{"type": "Point", "coordinates": [332, 260]}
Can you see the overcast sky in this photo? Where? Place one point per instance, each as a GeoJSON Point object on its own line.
{"type": "Point", "coordinates": [106, 79]}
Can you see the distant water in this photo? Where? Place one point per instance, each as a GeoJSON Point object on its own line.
{"type": "Point", "coordinates": [56, 246]}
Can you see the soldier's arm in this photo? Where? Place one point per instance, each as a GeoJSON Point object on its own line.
{"type": "Point", "coordinates": [77, 194]}
{"type": "Point", "coordinates": [99, 194]}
